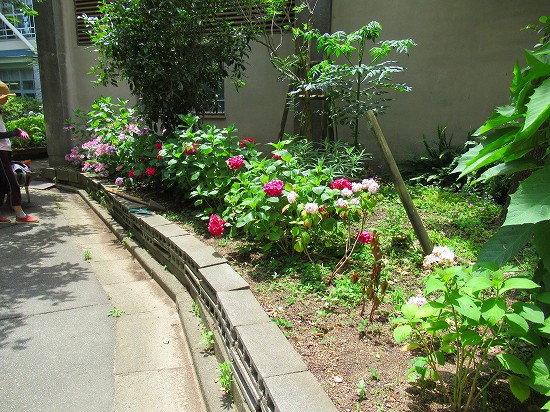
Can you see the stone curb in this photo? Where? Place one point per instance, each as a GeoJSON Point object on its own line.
{"type": "Point", "coordinates": [269, 375]}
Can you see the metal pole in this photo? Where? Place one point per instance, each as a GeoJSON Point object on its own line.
{"type": "Point", "coordinates": [404, 195]}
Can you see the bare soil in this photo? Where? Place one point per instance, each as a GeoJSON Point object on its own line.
{"type": "Point", "coordinates": [337, 349]}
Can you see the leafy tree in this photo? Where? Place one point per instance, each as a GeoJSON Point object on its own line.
{"type": "Point", "coordinates": [174, 54]}
{"type": "Point", "coordinates": [516, 138]}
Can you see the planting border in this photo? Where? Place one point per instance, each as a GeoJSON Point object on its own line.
{"type": "Point", "coordinates": [270, 376]}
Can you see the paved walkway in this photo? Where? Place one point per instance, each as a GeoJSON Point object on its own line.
{"type": "Point", "coordinates": [59, 349]}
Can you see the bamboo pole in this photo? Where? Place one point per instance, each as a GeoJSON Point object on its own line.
{"type": "Point", "coordinates": [404, 195]}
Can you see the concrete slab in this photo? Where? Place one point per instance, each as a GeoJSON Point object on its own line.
{"type": "Point", "coordinates": [118, 271]}
{"type": "Point", "coordinates": [159, 390]}
{"type": "Point", "coordinates": [60, 361]}
{"type": "Point", "coordinates": [149, 341]}
{"type": "Point", "coordinates": [138, 297]}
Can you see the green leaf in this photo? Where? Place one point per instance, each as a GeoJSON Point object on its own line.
{"type": "Point", "coordinates": [478, 283]}
{"type": "Point", "coordinates": [546, 327]}
{"type": "Point", "coordinates": [513, 363]}
{"type": "Point", "coordinates": [514, 166]}
{"type": "Point", "coordinates": [298, 246]}
{"type": "Point", "coordinates": [409, 310]}
{"type": "Point", "coordinates": [470, 338]}
{"type": "Point", "coordinates": [518, 283]}
{"type": "Point", "coordinates": [495, 120]}
{"type": "Point", "coordinates": [538, 109]}
{"type": "Point", "coordinates": [519, 388]}
{"type": "Point", "coordinates": [401, 333]}
{"type": "Point", "coordinates": [432, 284]}
{"type": "Point", "coordinates": [531, 202]}
{"type": "Point", "coordinates": [429, 309]}
{"type": "Point", "coordinates": [505, 244]}
{"type": "Point", "coordinates": [541, 240]}
{"type": "Point", "coordinates": [544, 297]}
{"type": "Point", "coordinates": [517, 324]}
{"type": "Point", "coordinates": [529, 312]}
{"type": "Point", "coordinates": [465, 306]}
{"type": "Point", "coordinates": [493, 310]}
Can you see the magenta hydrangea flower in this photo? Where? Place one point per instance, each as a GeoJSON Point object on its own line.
{"type": "Point", "coordinates": [341, 184]}
{"type": "Point", "coordinates": [247, 141]}
{"type": "Point", "coordinates": [235, 162]}
{"type": "Point", "coordinates": [216, 225]}
{"type": "Point", "coordinates": [365, 237]}
{"type": "Point", "coordinates": [119, 181]}
{"type": "Point", "coordinates": [274, 188]}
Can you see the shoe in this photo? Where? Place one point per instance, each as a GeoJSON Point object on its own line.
{"type": "Point", "coordinates": [27, 219]}
{"type": "Point", "coordinates": [4, 220]}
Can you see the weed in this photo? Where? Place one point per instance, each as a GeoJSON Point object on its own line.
{"type": "Point", "coordinates": [87, 255]}
{"type": "Point", "coordinates": [361, 390]}
{"type": "Point", "coordinates": [196, 309]}
{"type": "Point", "coordinates": [225, 377]}
{"type": "Point", "coordinates": [283, 323]}
{"type": "Point", "coordinates": [207, 338]}
{"type": "Point", "coordinates": [374, 374]}
{"type": "Point", "coordinates": [115, 313]}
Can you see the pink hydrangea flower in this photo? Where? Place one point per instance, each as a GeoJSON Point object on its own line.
{"type": "Point", "coordinates": [216, 225]}
{"type": "Point", "coordinates": [417, 300]}
{"type": "Point", "coordinates": [235, 162]}
{"type": "Point", "coordinates": [119, 181]}
{"type": "Point", "coordinates": [364, 237]}
{"type": "Point", "coordinates": [341, 184]}
{"type": "Point", "coordinates": [346, 192]}
{"type": "Point", "coordinates": [356, 187]}
{"type": "Point", "coordinates": [274, 188]}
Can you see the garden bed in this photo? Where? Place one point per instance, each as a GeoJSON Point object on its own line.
{"type": "Point", "coordinates": [357, 361]}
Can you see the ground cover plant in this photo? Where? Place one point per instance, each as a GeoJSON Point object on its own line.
{"type": "Point", "coordinates": [335, 264]}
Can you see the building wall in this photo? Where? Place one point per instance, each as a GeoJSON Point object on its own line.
{"type": "Point", "coordinates": [461, 68]}
{"type": "Point", "coordinates": [459, 71]}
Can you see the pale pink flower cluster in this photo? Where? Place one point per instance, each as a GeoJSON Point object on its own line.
{"type": "Point", "coordinates": [341, 203]}
{"type": "Point", "coordinates": [370, 185]}
{"type": "Point", "coordinates": [74, 157]}
{"type": "Point", "coordinates": [417, 300]}
{"type": "Point", "coordinates": [440, 256]}
{"type": "Point", "coordinates": [311, 207]}
{"type": "Point", "coordinates": [356, 187]}
{"type": "Point", "coordinates": [345, 192]}
{"type": "Point", "coordinates": [291, 197]}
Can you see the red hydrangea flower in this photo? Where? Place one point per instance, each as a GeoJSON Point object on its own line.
{"type": "Point", "coordinates": [216, 225]}
{"type": "Point", "coordinates": [276, 157]}
{"type": "Point", "coordinates": [189, 150]}
{"type": "Point", "coordinates": [158, 146]}
{"type": "Point", "coordinates": [341, 184]}
{"type": "Point", "coordinates": [131, 173]}
{"type": "Point", "coordinates": [274, 188]}
{"type": "Point", "coordinates": [235, 162]}
{"type": "Point", "coordinates": [244, 142]}
{"type": "Point", "coordinates": [159, 157]}
{"type": "Point", "coordinates": [323, 211]}
{"type": "Point", "coordinates": [365, 237]}
{"type": "Point", "coordinates": [150, 171]}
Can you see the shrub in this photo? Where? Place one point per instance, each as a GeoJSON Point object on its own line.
{"type": "Point", "coordinates": [34, 125]}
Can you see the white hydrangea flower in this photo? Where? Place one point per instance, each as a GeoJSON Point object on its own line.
{"type": "Point", "coordinates": [417, 300]}
{"type": "Point", "coordinates": [341, 203]}
{"type": "Point", "coordinates": [291, 197]}
{"type": "Point", "coordinates": [440, 256]}
{"type": "Point", "coordinates": [311, 207]}
{"type": "Point", "coordinates": [370, 185]}
{"type": "Point", "coordinates": [346, 192]}
{"type": "Point", "coordinates": [356, 187]}
{"type": "Point", "coordinates": [355, 201]}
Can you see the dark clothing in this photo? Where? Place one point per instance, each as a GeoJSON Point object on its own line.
{"type": "Point", "coordinates": [8, 182]}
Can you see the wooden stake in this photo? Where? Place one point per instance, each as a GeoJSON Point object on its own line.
{"type": "Point", "coordinates": [404, 195]}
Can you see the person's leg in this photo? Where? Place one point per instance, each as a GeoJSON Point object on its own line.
{"type": "Point", "coordinates": [4, 188]}
{"type": "Point", "coordinates": [14, 189]}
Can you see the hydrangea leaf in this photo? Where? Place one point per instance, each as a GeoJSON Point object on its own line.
{"type": "Point", "coordinates": [542, 242]}
{"type": "Point", "coordinates": [513, 363]}
{"type": "Point", "coordinates": [493, 310]}
{"type": "Point", "coordinates": [519, 388]}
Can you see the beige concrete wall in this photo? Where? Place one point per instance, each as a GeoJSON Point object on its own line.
{"type": "Point", "coordinates": [79, 60]}
{"type": "Point", "coordinates": [256, 109]}
{"type": "Point", "coordinates": [461, 68]}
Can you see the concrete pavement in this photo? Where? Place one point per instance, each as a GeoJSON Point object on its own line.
{"type": "Point", "coordinates": [59, 349]}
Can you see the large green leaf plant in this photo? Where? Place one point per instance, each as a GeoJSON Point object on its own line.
{"type": "Point", "coordinates": [516, 138]}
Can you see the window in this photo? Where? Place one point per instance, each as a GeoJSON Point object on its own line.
{"type": "Point", "coordinates": [20, 81]}
{"type": "Point", "coordinates": [24, 23]}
